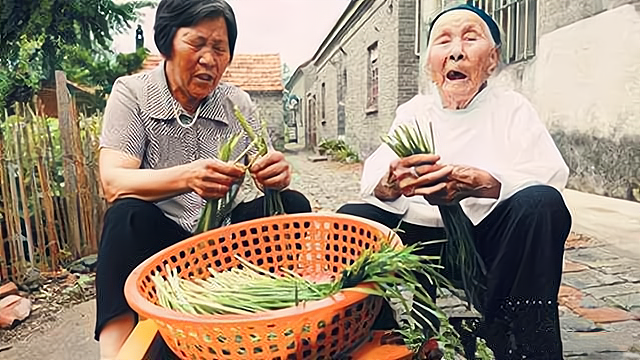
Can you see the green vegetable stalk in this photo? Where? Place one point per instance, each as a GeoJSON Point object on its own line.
{"type": "Point", "coordinates": [217, 210]}
{"type": "Point", "coordinates": [463, 261]}
{"type": "Point", "coordinates": [272, 200]}
{"type": "Point", "coordinates": [250, 289]}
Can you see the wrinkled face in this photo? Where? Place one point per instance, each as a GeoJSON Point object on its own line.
{"type": "Point", "coordinates": [461, 54]}
{"type": "Point", "coordinates": [200, 55]}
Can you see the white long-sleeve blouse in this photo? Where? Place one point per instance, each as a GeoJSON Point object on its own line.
{"type": "Point", "coordinates": [499, 132]}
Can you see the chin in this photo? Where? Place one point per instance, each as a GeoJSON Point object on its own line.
{"type": "Point", "coordinates": [467, 85]}
{"type": "Point", "coordinates": [201, 93]}
{"type": "Point", "coordinates": [457, 91]}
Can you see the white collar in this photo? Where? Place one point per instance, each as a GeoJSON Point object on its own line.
{"type": "Point", "coordinates": [478, 99]}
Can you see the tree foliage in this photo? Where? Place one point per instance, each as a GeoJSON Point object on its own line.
{"type": "Point", "coordinates": [99, 69]}
{"type": "Point", "coordinates": [286, 73]}
{"type": "Point", "coordinates": [37, 36]}
{"type": "Point", "coordinates": [289, 100]}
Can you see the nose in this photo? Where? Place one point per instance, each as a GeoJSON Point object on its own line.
{"type": "Point", "coordinates": [456, 52]}
{"type": "Point", "coordinates": [206, 59]}
{"type": "Point", "coordinates": [456, 56]}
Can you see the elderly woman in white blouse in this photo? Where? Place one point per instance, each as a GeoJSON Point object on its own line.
{"type": "Point", "coordinates": [496, 159]}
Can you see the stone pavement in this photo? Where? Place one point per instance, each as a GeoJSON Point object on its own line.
{"type": "Point", "coordinates": [600, 296]}
{"type": "Point", "coordinates": [613, 221]}
{"type": "Point", "coordinates": [70, 338]}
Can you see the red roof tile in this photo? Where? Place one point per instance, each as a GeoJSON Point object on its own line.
{"type": "Point", "coordinates": [255, 72]}
{"type": "Point", "coordinates": [250, 72]}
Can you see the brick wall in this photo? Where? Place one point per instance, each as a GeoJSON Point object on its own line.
{"type": "Point", "coordinates": [408, 61]}
{"type": "Point", "coordinates": [392, 25]}
{"type": "Point", "coordinates": [327, 127]}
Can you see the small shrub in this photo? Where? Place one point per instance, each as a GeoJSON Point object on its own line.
{"type": "Point", "coordinates": [338, 150]}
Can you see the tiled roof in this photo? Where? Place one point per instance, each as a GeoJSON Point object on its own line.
{"type": "Point", "coordinates": [255, 72]}
{"type": "Point", "coordinates": [250, 72]}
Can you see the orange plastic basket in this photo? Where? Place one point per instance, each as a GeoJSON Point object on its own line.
{"type": "Point", "coordinates": [311, 245]}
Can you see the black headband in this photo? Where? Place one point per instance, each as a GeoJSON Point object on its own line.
{"type": "Point", "coordinates": [493, 27]}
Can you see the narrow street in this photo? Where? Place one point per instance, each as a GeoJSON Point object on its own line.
{"type": "Point", "coordinates": [600, 296]}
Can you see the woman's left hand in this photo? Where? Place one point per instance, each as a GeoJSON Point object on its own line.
{"type": "Point", "coordinates": [464, 182]}
{"type": "Point", "coordinates": [272, 171]}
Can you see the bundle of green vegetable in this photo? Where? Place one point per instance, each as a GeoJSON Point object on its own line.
{"type": "Point", "coordinates": [249, 289]}
{"type": "Point", "coordinates": [272, 199]}
{"type": "Point", "coordinates": [462, 261]}
{"type": "Point", "coordinates": [216, 211]}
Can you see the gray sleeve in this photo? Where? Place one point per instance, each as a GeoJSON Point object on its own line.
{"type": "Point", "coordinates": [122, 127]}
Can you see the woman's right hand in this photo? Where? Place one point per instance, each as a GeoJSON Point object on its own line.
{"type": "Point", "coordinates": [211, 178]}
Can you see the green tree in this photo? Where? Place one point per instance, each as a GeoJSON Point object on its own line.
{"type": "Point", "coordinates": [286, 73]}
{"type": "Point", "coordinates": [99, 69]}
{"type": "Point", "coordinates": [36, 36]}
{"type": "Point", "coordinates": [287, 97]}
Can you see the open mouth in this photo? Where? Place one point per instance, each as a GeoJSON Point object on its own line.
{"type": "Point", "coordinates": [455, 75]}
{"type": "Point", "coordinates": [204, 77]}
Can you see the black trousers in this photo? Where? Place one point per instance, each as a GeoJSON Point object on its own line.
{"type": "Point", "coordinates": [522, 245]}
{"type": "Point", "coordinates": [134, 230]}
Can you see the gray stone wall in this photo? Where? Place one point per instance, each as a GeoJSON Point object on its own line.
{"type": "Point", "coordinates": [555, 14]}
{"type": "Point", "coordinates": [601, 165]}
{"type": "Point", "coordinates": [327, 126]}
{"type": "Point", "coordinates": [594, 120]}
{"type": "Point", "coordinates": [392, 26]}
{"type": "Point", "coordinates": [363, 127]}
{"type": "Point", "coordinates": [269, 105]}
{"type": "Point", "coordinates": [408, 61]}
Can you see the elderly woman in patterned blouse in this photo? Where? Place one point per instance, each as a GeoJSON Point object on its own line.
{"type": "Point", "coordinates": [161, 133]}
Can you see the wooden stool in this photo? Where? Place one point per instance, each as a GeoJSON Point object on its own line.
{"type": "Point", "coordinates": [145, 343]}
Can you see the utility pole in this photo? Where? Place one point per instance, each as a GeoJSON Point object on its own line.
{"type": "Point", "coordinates": [139, 37]}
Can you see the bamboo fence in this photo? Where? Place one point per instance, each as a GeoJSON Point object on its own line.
{"type": "Point", "coordinates": [51, 204]}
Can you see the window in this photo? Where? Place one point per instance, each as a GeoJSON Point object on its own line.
{"type": "Point", "coordinates": [323, 96]}
{"type": "Point", "coordinates": [486, 5]}
{"type": "Point", "coordinates": [372, 78]}
{"type": "Point", "coordinates": [311, 131]}
{"type": "Point", "coordinates": [341, 94]}
{"type": "Point", "coordinates": [312, 110]}
{"type": "Point", "coordinates": [344, 80]}
{"type": "Point", "coordinates": [518, 20]}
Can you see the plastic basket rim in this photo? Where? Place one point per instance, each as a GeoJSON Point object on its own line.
{"type": "Point", "coordinates": [146, 308]}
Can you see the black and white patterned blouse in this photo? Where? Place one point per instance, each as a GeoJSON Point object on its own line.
{"type": "Point", "coordinates": [139, 120]}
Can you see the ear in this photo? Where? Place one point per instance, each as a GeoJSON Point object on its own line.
{"type": "Point", "coordinates": [494, 60]}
